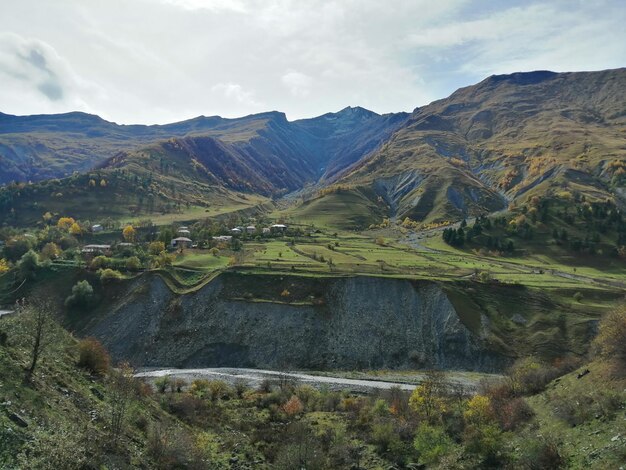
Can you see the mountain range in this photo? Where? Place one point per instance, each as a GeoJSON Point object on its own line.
{"type": "Point", "coordinates": [482, 148]}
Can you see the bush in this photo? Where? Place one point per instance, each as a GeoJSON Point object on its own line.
{"type": "Point", "coordinates": [108, 274]}
{"type": "Point", "coordinates": [133, 264]}
{"type": "Point", "coordinates": [93, 356]}
{"type": "Point", "coordinates": [82, 295]}
{"type": "Point", "coordinates": [161, 383]}
{"type": "Point", "coordinates": [578, 297]}
{"type": "Point", "coordinates": [431, 442]}
{"type": "Point", "coordinates": [293, 406]}
{"type": "Point", "coordinates": [610, 343]}
{"type": "Point", "coordinates": [28, 264]}
{"type": "Point", "coordinates": [512, 414]}
{"type": "Point", "coordinates": [542, 454]}
{"type": "Point", "coordinates": [156, 247]}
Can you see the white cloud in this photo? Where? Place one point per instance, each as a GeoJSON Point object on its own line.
{"type": "Point", "coordinates": [214, 5]}
{"type": "Point", "coordinates": [235, 92]}
{"type": "Point", "coordinates": [172, 59]}
{"type": "Point", "coordinates": [34, 77]}
{"type": "Point", "coordinates": [299, 84]}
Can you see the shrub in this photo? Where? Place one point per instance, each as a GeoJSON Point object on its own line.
{"type": "Point", "coordinates": [93, 356]}
{"type": "Point", "coordinates": [542, 454]}
{"type": "Point", "coordinates": [82, 295]}
{"type": "Point", "coordinates": [479, 410]}
{"type": "Point", "coordinates": [162, 383]}
{"type": "Point", "coordinates": [610, 343]}
{"type": "Point", "coordinates": [512, 414]}
{"type": "Point", "coordinates": [108, 274]}
{"type": "Point", "coordinates": [28, 264]}
{"type": "Point", "coordinates": [293, 406]}
{"type": "Point", "coordinates": [133, 264]}
{"type": "Point", "coordinates": [100, 262]}
{"type": "Point", "coordinates": [199, 387]}
{"type": "Point", "coordinates": [431, 442]}
{"type": "Point", "coordinates": [578, 297]}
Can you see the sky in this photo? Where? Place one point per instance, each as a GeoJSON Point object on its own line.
{"type": "Point", "coordinates": [159, 61]}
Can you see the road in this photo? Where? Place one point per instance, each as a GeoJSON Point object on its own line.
{"type": "Point", "coordinates": [254, 377]}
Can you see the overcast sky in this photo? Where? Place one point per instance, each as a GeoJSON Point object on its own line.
{"type": "Point", "coordinates": [157, 61]}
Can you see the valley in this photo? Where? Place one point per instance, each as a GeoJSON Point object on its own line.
{"type": "Point", "coordinates": [370, 280]}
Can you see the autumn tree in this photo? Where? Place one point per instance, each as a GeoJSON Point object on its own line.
{"type": "Point", "coordinates": [75, 229]}
{"type": "Point", "coordinates": [50, 251]}
{"type": "Point", "coordinates": [129, 233]}
{"type": "Point", "coordinates": [65, 223]}
{"type": "Point", "coordinates": [4, 266]}
{"type": "Point", "coordinates": [427, 399]}
{"type": "Point", "coordinates": [156, 247]}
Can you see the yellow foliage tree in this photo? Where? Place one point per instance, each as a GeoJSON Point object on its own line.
{"type": "Point", "coordinates": [103, 183]}
{"type": "Point", "coordinates": [129, 233]}
{"type": "Point", "coordinates": [479, 410]}
{"type": "Point", "coordinates": [427, 398]}
{"type": "Point", "coordinates": [65, 223]}
{"type": "Point", "coordinates": [75, 229]}
{"type": "Point", "coordinates": [50, 251]}
{"type": "Point", "coordinates": [4, 266]}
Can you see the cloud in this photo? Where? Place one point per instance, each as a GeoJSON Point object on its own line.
{"type": "Point", "coordinates": [173, 59]}
{"type": "Point", "coordinates": [34, 75]}
{"type": "Point", "coordinates": [299, 84]}
{"type": "Point", "coordinates": [236, 92]}
{"type": "Point", "coordinates": [213, 5]}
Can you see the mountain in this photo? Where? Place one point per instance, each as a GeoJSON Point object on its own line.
{"type": "Point", "coordinates": [505, 138]}
{"type": "Point", "coordinates": [33, 148]}
{"type": "Point", "coordinates": [484, 147]}
{"type": "Point", "coordinates": [199, 162]}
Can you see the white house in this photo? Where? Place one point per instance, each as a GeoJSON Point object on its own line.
{"type": "Point", "coordinates": [250, 229]}
{"type": "Point", "coordinates": [96, 249]}
{"type": "Point", "coordinates": [183, 242]}
{"type": "Point", "coordinates": [235, 231]}
{"type": "Point", "coordinates": [97, 228]}
{"type": "Point", "coordinates": [278, 227]}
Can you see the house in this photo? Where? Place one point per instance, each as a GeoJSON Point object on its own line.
{"type": "Point", "coordinates": [250, 229]}
{"type": "Point", "coordinates": [97, 228]}
{"type": "Point", "coordinates": [223, 238]}
{"type": "Point", "coordinates": [278, 227]}
{"type": "Point", "coordinates": [183, 232]}
{"type": "Point", "coordinates": [266, 231]}
{"type": "Point", "coordinates": [180, 242]}
{"type": "Point", "coordinates": [125, 245]}
{"type": "Point", "coordinates": [99, 249]}
{"type": "Point", "coordinates": [236, 231]}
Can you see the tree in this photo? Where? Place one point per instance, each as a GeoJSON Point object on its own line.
{"type": "Point", "coordinates": [28, 264]}
{"type": "Point", "coordinates": [4, 266]}
{"type": "Point", "coordinates": [65, 223]}
{"type": "Point", "coordinates": [154, 248]}
{"type": "Point", "coordinates": [479, 410]}
{"type": "Point", "coordinates": [122, 388]}
{"type": "Point", "coordinates": [82, 295]}
{"type": "Point", "coordinates": [39, 327]}
{"type": "Point", "coordinates": [129, 233]}
{"type": "Point", "coordinates": [75, 229]}
{"type": "Point", "coordinates": [103, 183]}
{"type": "Point", "coordinates": [427, 398]}
{"type": "Point", "coordinates": [50, 251]}
{"type": "Point", "coordinates": [431, 442]}
{"type": "Point", "coordinates": [133, 263]}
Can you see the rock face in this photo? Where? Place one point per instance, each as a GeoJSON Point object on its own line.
{"type": "Point", "coordinates": [357, 322]}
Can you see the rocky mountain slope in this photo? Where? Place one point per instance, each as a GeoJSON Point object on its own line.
{"type": "Point", "coordinates": [506, 137]}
